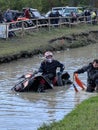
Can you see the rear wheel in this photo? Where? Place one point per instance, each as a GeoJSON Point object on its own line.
{"type": "Point", "coordinates": [25, 24]}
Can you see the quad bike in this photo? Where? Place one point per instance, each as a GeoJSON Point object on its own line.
{"type": "Point", "coordinates": [38, 83]}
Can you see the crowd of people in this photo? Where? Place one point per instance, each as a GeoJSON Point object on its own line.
{"type": "Point", "coordinates": [86, 15]}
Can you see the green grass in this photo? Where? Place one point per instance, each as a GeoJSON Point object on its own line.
{"type": "Point", "coordinates": [34, 40]}
{"type": "Point", "coordinates": [84, 117]}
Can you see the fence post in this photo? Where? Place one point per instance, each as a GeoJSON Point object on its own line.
{"type": "Point", "coordinates": [37, 24]}
{"type": "Point", "coordinates": [49, 23]}
{"type": "Point", "coordinates": [60, 22]}
{"type": "Point", "coordinates": [85, 19]}
{"type": "Point", "coordinates": [96, 19]}
{"type": "Point", "coordinates": [7, 30]}
{"type": "Point", "coordinates": [70, 22]}
{"type": "Point", "coordinates": [23, 30]}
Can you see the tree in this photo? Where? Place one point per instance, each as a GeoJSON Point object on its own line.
{"type": "Point", "coordinates": [44, 5]}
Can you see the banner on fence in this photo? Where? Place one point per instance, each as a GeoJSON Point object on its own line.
{"type": "Point", "coordinates": [3, 31]}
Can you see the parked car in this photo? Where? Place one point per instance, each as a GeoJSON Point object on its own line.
{"type": "Point", "coordinates": [15, 14]}
{"type": "Point", "coordinates": [48, 13]}
{"type": "Point", "coordinates": [68, 11]}
{"type": "Point", "coordinates": [77, 10]}
{"type": "Point", "coordinates": [35, 14]}
{"type": "Point", "coordinates": [19, 16]}
{"type": "Point", "coordinates": [60, 9]}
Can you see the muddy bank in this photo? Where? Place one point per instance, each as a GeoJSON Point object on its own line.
{"type": "Point", "coordinates": [57, 44]}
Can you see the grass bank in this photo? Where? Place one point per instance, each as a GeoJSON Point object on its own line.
{"type": "Point", "coordinates": [35, 40]}
{"type": "Point", "coordinates": [56, 39]}
{"type": "Point", "coordinates": [84, 117]}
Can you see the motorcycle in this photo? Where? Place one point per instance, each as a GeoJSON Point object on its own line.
{"type": "Point", "coordinates": [38, 83]}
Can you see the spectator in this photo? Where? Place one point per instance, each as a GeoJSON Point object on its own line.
{"type": "Point", "coordinates": [27, 13]}
{"type": "Point", "coordinates": [87, 14]}
{"type": "Point", "coordinates": [74, 17]}
{"type": "Point", "coordinates": [57, 15]}
{"type": "Point", "coordinates": [1, 17]}
{"type": "Point", "coordinates": [8, 16]}
{"type": "Point", "coordinates": [52, 15]}
{"type": "Point", "coordinates": [93, 17]}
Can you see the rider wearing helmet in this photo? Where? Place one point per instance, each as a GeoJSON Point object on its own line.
{"type": "Point", "coordinates": [49, 66]}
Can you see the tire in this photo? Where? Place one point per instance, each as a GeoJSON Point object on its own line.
{"type": "Point", "coordinates": [25, 24]}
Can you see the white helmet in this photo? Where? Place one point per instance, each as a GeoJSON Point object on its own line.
{"type": "Point", "coordinates": [48, 53]}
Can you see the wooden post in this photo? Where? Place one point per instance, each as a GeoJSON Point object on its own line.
{"type": "Point", "coordinates": [49, 23]}
{"type": "Point", "coordinates": [60, 22]}
{"type": "Point", "coordinates": [7, 30]}
{"type": "Point", "coordinates": [70, 22]}
{"type": "Point", "coordinates": [23, 31]}
{"type": "Point", "coordinates": [37, 24]}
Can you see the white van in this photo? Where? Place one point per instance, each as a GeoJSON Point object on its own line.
{"type": "Point", "coordinates": [59, 9]}
{"type": "Point", "coordinates": [76, 10]}
{"type": "Point", "coordinates": [66, 11]}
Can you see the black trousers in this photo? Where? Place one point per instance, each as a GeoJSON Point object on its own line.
{"type": "Point", "coordinates": [91, 85]}
{"type": "Point", "coordinates": [49, 77]}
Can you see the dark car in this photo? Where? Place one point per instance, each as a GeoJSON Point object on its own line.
{"type": "Point", "coordinates": [17, 17]}
{"type": "Point", "coordinates": [15, 14]}
{"type": "Point", "coordinates": [35, 14]}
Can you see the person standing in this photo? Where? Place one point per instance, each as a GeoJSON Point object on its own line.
{"type": "Point", "coordinates": [92, 75]}
{"type": "Point", "coordinates": [27, 13]}
{"type": "Point", "coordinates": [8, 16]}
{"type": "Point", "coordinates": [1, 17]}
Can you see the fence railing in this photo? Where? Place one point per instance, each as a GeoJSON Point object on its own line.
{"type": "Point", "coordinates": [6, 28]}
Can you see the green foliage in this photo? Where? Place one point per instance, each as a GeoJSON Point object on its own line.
{"type": "Point", "coordinates": [44, 5]}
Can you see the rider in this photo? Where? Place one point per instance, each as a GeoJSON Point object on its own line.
{"type": "Point", "coordinates": [49, 66]}
{"type": "Point", "coordinates": [92, 73]}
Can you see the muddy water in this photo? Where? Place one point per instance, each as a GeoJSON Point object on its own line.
{"type": "Point", "coordinates": [22, 111]}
